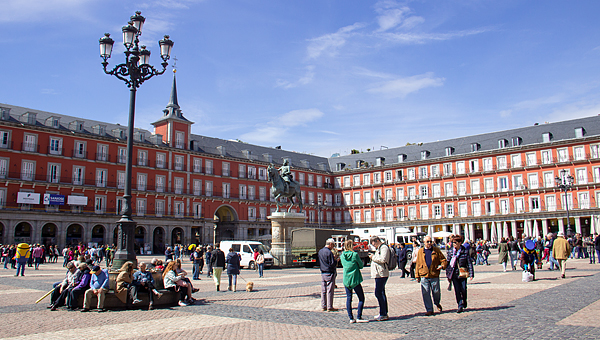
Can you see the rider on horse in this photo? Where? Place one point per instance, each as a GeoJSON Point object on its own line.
{"type": "Point", "coordinates": [286, 175]}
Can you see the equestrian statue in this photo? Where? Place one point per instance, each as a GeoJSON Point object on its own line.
{"type": "Point", "coordinates": [283, 185]}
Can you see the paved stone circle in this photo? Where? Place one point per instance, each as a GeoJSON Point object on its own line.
{"type": "Point", "coordinates": [286, 304]}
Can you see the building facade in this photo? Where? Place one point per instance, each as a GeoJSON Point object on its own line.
{"type": "Point", "coordinates": [485, 186]}
{"type": "Point", "coordinates": [62, 180]}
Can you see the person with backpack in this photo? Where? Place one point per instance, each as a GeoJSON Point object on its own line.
{"type": "Point", "coordinates": [430, 260]}
{"type": "Point", "coordinates": [380, 272]}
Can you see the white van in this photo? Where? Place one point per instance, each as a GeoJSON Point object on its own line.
{"type": "Point", "coordinates": [246, 250]}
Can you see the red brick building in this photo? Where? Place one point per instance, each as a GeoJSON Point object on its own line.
{"type": "Point", "coordinates": [62, 179]}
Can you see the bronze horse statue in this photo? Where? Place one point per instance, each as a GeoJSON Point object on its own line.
{"type": "Point", "coordinates": [278, 188]}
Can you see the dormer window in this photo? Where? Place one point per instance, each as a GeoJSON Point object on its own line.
{"type": "Point", "coordinates": [546, 137]}
{"type": "Point", "coordinates": [379, 161]}
{"type": "Point", "coordinates": [475, 147]}
{"type": "Point", "coordinates": [360, 163]}
{"type": "Point", "coordinates": [4, 113]}
{"type": "Point", "coordinates": [29, 118]}
{"type": "Point", "coordinates": [269, 158]}
{"type": "Point", "coordinates": [340, 166]}
{"type": "Point", "coordinates": [502, 143]}
{"type": "Point", "coordinates": [401, 158]}
{"type": "Point", "coordinates": [579, 132]}
{"type": "Point", "coordinates": [55, 123]}
{"type": "Point", "coordinates": [424, 154]}
{"type": "Point", "coordinates": [517, 141]}
{"type": "Point", "coordinates": [449, 151]}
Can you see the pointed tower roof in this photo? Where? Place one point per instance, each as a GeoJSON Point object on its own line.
{"type": "Point", "coordinates": [173, 110]}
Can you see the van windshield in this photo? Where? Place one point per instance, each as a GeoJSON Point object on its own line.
{"type": "Point", "coordinates": [260, 247]}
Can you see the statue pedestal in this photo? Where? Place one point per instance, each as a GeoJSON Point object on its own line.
{"type": "Point", "coordinates": [282, 224]}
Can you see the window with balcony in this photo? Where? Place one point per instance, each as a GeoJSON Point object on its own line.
{"type": "Point", "coordinates": [531, 158]}
{"type": "Point", "coordinates": [476, 208]}
{"type": "Point", "coordinates": [197, 165]}
{"type": "Point", "coordinates": [518, 183]}
{"type": "Point", "coordinates": [53, 173]}
{"type": "Point", "coordinates": [197, 210]}
{"type": "Point", "coordinates": [584, 200]}
{"type": "Point", "coordinates": [262, 174]}
{"type": "Point", "coordinates": [377, 177]}
{"type": "Point", "coordinates": [27, 170]}
{"type": "Point", "coordinates": [435, 171]}
{"type": "Point", "coordinates": [367, 197]}
{"type": "Point", "coordinates": [179, 162]}
{"type": "Point", "coordinates": [241, 171]}
{"type": "Point", "coordinates": [30, 143]}
{"type": "Point", "coordinates": [532, 181]}
{"type": "Point", "coordinates": [563, 155]}
{"type": "Point", "coordinates": [461, 187]}
{"type": "Point", "coordinates": [141, 182]}
{"type": "Point", "coordinates": [100, 204]}
{"type": "Point", "coordinates": [55, 146]}
{"type": "Point", "coordinates": [251, 192]}
{"type": "Point", "coordinates": [460, 167]}
{"type": "Point", "coordinates": [208, 188]}
{"type": "Point", "coordinates": [424, 191]}
{"type": "Point", "coordinates": [102, 153]}
{"type": "Point", "coordinates": [142, 158]}
{"type": "Point", "coordinates": [78, 172]}
{"type": "Point", "coordinates": [367, 216]}
{"type": "Point", "coordinates": [4, 139]}
{"type": "Point", "coordinates": [357, 216]}
{"type": "Point", "coordinates": [462, 209]}
{"type": "Point", "coordinates": [197, 187]}
{"type": "Point", "coordinates": [411, 174]}
{"type": "Point", "coordinates": [449, 210]}
{"type": "Point", "coordinates": [178, 185]}
{"type": "Point", "coordinates": [140, 206]}
{"type": "Point", "coordinates": [251, 172]}
{"type": "Point", "coordinates": [503, 183]}
{"type": "Point", "coordinates": [208, 166]}
{"type": "Point", "coordinates": [447, 169]}
{"type": "Point", "coordinates": [225, 169]}
{"type": "Point", "coordinates": [179, 208]}
{"type": "Point", "coordinates": [489, 185]}
{"type": "Point", "coordinates": [160, 183]}
{"type": "Point", "coordinates": [490, 208]}
{"type": "Point", "coordinates": [423, 172]}
{"type": "Point", "coordinates": [226, 190]}
{"type": "Point", "coordinates": [243, 191]}
{"type": "Point", "coordinates": [121, 180]}
{"type": "Point", "coordinates": [475, 187]}
{"type": "Point", "coordinates": [448, 189]}
{"type": "Point", "coordinates": [488, 164]}
{"type": "Point", "coordinates": [356, 198]}
{"type": "Point", "coordinates": [310, 180]}
{"type": "Point", "coordinates": [581, 176]}
{"type": "Point", "coordinates": [473, 165]}
{"type": "Point", "coordinates": [515, 161]}
{"type": "Point", "coordinates": [412, 193]}
{"type": "Point", "coordinates": [519, 205]}
{"type": "Point", "coordinates": [122, 156]}
{"type": "Point", "coordinates": [579, 153]}
{"type": "Point", "coordinates": [400, 194]}
{"type": "Point", "coordinates": [595, 151]}
{"type": "Point", "coordinates": [356, 180]}
{"type": "Point", "coordinates": [262, 194]}
{"type": "Point", "coordinates": [101, 177]}
{"type": "Point", "coordinates": [534, 204]}
{"type": "Point", "coordinates": [504, 207]}
{"type": "Point", "coordinates": [159, 208]}
{"type": "Point", "coordinates": [79, 151]}
{"type": "Point", "coordinates": [501, 162]}
{"type": "Point", "coordinates": [548, 179]}
{"type": "Point", "coordinates": [550, 203]}
{"type": "Point", "coordinates": [436, 190]}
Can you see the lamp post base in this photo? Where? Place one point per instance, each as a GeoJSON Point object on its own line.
{"type": "Point", "coordinates": [125, 250]}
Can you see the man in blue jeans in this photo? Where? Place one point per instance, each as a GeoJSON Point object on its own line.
{"type": "Point", "coordinates": [380, 272]}
{"type": "Point", "coordinates": [427, 269]}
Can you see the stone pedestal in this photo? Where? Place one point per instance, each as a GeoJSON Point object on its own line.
{"type": "Point", "coordinates": [282, 224]}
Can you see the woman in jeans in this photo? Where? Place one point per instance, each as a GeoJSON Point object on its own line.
{"type": "Point", "coordinates": [260, 261]}
{"type": "Point", "coordinates": [513, 246]}
{"type": "Point", "coordinates": [233, 268]}
{"type": "Point", "coordinates": [459, 259]}
{"type": "Point", "coordinates": [352, 278]}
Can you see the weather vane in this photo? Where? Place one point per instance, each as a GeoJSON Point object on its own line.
{"type": "Point", "coordinates": [175, 64]}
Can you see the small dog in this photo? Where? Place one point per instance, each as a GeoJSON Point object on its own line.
{"type": "Point", "coordinates": [249, 286]}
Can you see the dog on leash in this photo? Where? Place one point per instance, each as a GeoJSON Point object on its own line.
{"type": "Point", "coordinates": [249, 286]}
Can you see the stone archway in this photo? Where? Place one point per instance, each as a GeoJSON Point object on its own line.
{"type": "Point", "coordinates": [49, 234]}
{"type": "Point", "coordinates": [74, 234]}
{"type": "Point", "coordinates": [98, 234]}
{"type": "Point", "coordinates": [23, 233]}
{"type": "Point", "coordinates": [139, 239]}
{"type": "Point", "coordinates": [227, 223]}
{"type": "Point", "coordinates": [158, 240]}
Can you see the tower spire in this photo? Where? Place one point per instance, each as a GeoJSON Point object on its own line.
{"type": "Point", "coordinates": [173, 100]}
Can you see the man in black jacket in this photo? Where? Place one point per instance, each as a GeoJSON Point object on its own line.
{"type": "Point", "coordinates": [328, 265]}
{"type": "Point", "coordinates": [217, 261]}
{"type": "Point", "coordinates": [597, 246]}
{"type": "Point", "coordinates": [401, 252]}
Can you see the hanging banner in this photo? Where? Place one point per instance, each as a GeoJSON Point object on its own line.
{"type": "Point", "coordinates": [28, 198]}
{"type": "Point", "coordinates": [54, 199]}
{"type": "Point", "coordinates": [77, 200]}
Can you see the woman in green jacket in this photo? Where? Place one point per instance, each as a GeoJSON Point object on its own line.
{"type": "Point", "coordinates": [352, 278]}
{"type": "Point", "coordinates": [503, 253]}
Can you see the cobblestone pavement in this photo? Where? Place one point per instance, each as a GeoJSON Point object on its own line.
{"type": "Point", "coordinates": [286, 304]}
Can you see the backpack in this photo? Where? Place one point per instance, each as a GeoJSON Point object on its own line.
{"type": "Point", "coordinates": [393, 260]}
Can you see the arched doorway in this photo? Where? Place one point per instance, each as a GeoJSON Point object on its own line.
{"type": "Point", "coordinates": [98, 234]}
{"type": "Point", "coordinates": [139, 239]}
{"type": "Point", "coordinates": [226, 225]}
{"type": "Point", "coordinates": [74, 234]}
{"type": "Point", "coordinates": [158, 240]}
{"type": "Point", "coordinates": [23, 233]}
{"type": "Point", "coordinates": [49, 234]}
{"type": "Point", "coordinates": [177, 236]}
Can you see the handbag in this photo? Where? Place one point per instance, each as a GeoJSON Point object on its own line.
{"type": "Point", "coordinates": [463, 273]}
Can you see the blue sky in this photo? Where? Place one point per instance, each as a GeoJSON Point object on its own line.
{"type": "Point", "coordinates": [315, 76]}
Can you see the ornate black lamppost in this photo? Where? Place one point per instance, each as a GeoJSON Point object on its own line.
{"type": "Point", "coordinates": [565, 183]}
{"type": "Point", "coordinates": [319, 209]}
{"type": "Point", "coordinates": [133, 72]}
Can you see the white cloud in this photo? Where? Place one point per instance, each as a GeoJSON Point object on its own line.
{"type": "Point", "coordinates": [505, 113]}
{"type": "Point", "coordinates": [393, 15]}
{"type": "Point", "coordinates": [307, 78]}
{"type": "Point", "coordinates": [421, 38]}
{"type": "Point", "coordinates": [277, 128]}
{"type": "Point", "coordinates": [33, 10]}
{"type": "Point", "coordinates": [331, 42]}
{"type": "Point", "coordinates": [403, 86]}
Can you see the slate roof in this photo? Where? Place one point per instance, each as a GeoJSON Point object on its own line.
{"type": "Point", "coordinates": [530, 135]}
